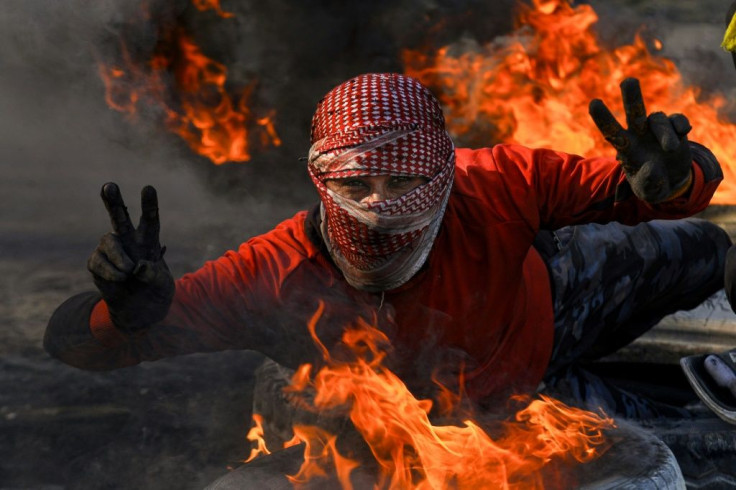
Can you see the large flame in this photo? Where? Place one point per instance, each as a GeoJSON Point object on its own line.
{"type": "Point", "coordinates": [411, 452]}
{"type": "Point", "coordinates": [190, 89]}
{"type": "Point", "coordinates": [533, 87]}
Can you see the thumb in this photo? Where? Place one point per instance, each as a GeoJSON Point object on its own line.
{"type": "Point", "coordinates": [650, 182]}
{"type": "Point", "coordinates": [156, 275]}
{"type": "Point", "coordinates": [145, 271]}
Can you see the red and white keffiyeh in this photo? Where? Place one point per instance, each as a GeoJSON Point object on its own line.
{"type": "Point", "coordinates": [381, 124]}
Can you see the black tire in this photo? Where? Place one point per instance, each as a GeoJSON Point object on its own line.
{"type": "Point", "coordinates": [705, 449]}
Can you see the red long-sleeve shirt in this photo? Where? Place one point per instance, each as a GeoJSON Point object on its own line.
{"type": "Point", "coordinates": [482, 300]}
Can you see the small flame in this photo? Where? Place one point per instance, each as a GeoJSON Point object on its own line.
{"type": "Point", "coordinates": [534, 87]}
{"type": "Point", "coordinates": [411, 452]}
{"type": "Point", "coordinates": [203, 5]}
{"type": "Point", "coordinates": [255, 434]}
{"type": "Point", "coordinates": [320, 452]}
{"type": "Point", "coordinates": [190, 89]}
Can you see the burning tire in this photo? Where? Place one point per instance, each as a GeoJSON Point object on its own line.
{"type": "Point", "coordinates": [269, 473]}
{"type": "Point", "coordinates": [637, 459]}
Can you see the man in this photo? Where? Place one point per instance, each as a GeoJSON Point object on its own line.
{"type": "Point", "coordinates": [434, 245]}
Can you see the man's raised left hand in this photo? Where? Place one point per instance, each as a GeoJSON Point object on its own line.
{"type": "Point", "coordinates": [653, 150]}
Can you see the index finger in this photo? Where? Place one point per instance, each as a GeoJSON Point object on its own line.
{"type": "Point", "coordinates": [636, 113]}
{"type": "Point", "coordinates": [149, 224]}
{"type": "Point", "coordinates": [115, 206]}
{"type": "Point", "coordinates": [607, 124]}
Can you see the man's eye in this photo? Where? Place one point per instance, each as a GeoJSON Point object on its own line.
{"type": "Point", "coordinates": [401, 180]}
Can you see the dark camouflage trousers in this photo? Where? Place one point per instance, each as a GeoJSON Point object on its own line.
{"type": "Point", "coordinates": [611, 283]}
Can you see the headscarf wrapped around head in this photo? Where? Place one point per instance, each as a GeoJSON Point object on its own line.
{"type": "Point", "coordinates": [381, 124]}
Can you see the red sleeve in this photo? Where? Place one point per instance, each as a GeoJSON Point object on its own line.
{"type": "Point", "coordinates": [234, 302]}
{"type": "Point", "coordinates": [102, 328]}
{"type": "Point", "coordinates": [554, 189]}
{"type": "Point", "coordinates": [211, 303]}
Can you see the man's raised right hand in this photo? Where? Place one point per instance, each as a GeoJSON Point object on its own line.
{"type": "Point", "coordinates": [128, 266]}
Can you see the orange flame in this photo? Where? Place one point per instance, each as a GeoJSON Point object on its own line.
{"type": "Point", "coordinates": [255, 434]}
{"type": "Point", "coordinates": [190, 89]}
{"type": "Point", "coordinates": [203, 5]}
{"type": "Point", "coordinates": [411, 452]}
{"type": "Point", "coordinates": [534, 87]}
{"type": "Point", "coordinates": [319, 451]}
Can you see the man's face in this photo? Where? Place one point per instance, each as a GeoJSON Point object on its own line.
{"type": "Point", "coordinates": [370, 189]}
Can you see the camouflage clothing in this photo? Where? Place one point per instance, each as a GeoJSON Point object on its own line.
{"type": "Point", "coordinates": [611, 283]}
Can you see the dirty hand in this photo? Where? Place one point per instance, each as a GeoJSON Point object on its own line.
{"type": "Point", "coordinates": [653, 150]}
{"type": "Point", "coordinates": [128, 266]}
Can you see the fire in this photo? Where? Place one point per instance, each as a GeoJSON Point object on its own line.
{"type": "Point", "coordinates": [255, 434]}
{"type": "Point", "coordinates": [189, 88]}
{"type": "Point", "coordinates": [533, 88]}
{"type": "Point", "coordinates": [411, 452]}
{"type": "Point", "coordinates": [203, 5]}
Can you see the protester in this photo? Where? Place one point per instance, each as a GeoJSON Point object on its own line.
{"type": "Point", "coordinates": [441, 248]}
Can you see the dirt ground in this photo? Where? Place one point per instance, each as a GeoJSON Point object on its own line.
{"type": "Point", "coordinates": [177, 423]}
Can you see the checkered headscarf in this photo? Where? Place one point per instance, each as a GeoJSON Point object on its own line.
{"type": "Point", "coordinates": [381, 124]}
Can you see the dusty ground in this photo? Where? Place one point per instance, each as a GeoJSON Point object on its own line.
{"type": "Point", "coordinates": [177, 423]}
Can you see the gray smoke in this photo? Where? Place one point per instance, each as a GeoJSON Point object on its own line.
{"type": "Point", "coordinates": [179, 423]}
{"type": "Point", "coordinates": [55, 120]}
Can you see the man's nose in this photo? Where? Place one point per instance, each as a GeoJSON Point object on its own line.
{"type": "Point", "coordinates": [374, 197]}
{"type": "Point", "coordinates": [376, 194]}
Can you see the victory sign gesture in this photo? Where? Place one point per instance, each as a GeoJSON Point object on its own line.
{"type": "Point", "coordinates": [653, 150]}
{"type": "Point", "coordinates": [128, 266]}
